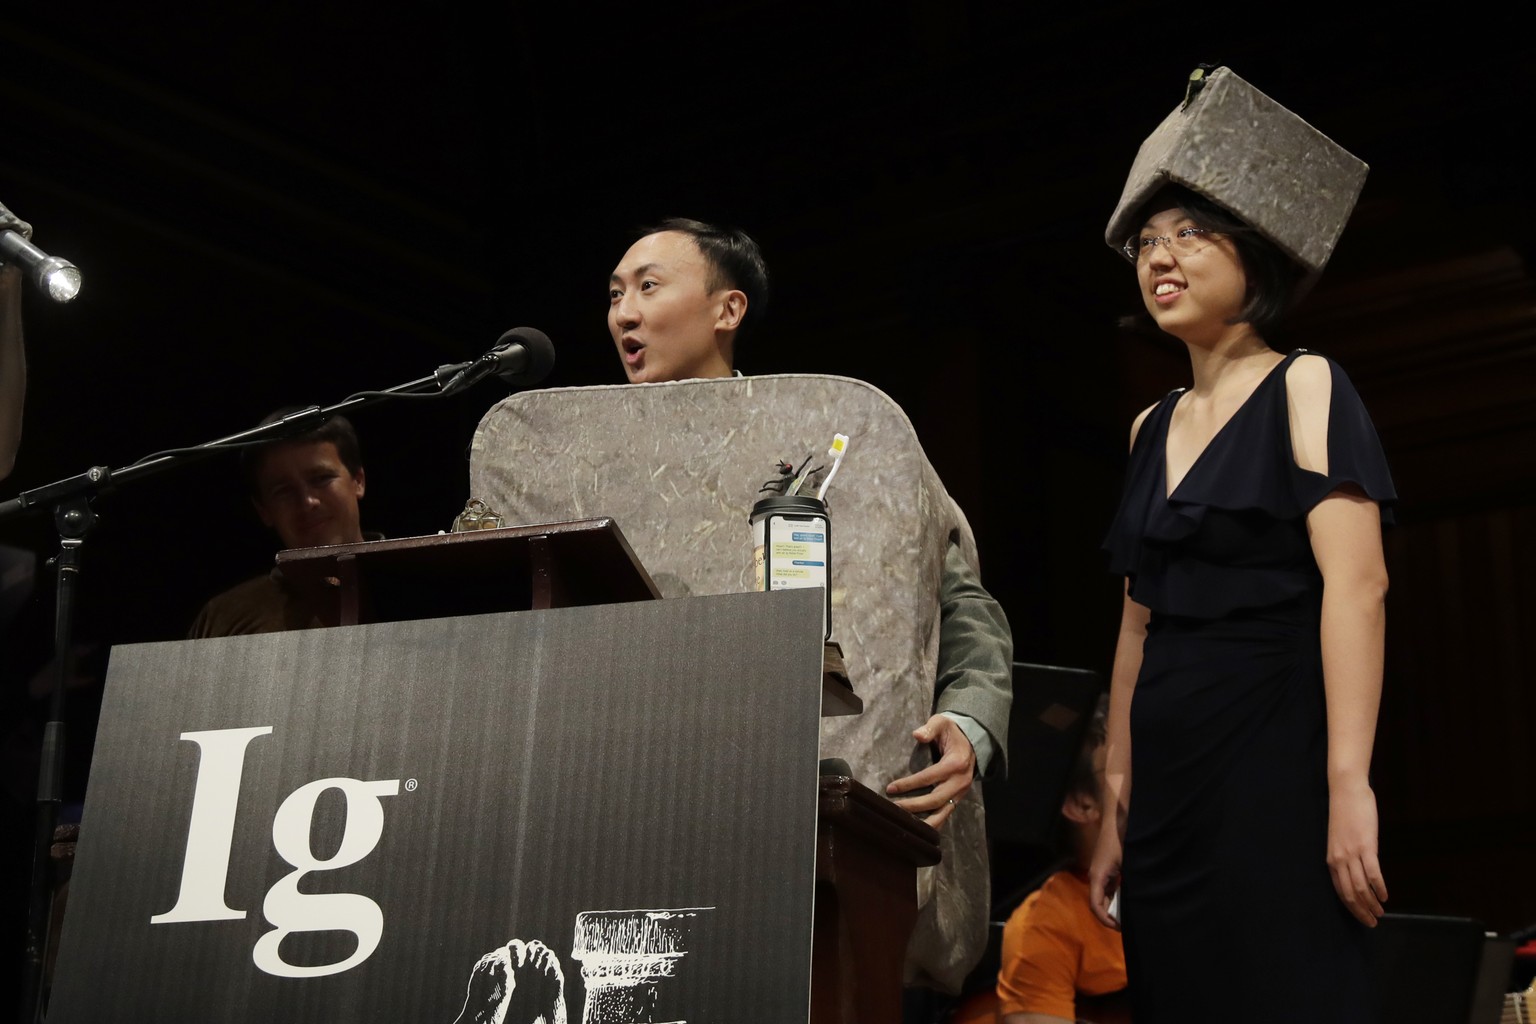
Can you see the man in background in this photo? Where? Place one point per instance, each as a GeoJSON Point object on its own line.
{"type": "Point", "coordinates": [305, 489]}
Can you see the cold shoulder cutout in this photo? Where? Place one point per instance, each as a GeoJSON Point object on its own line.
{"type": "Point", "coordinates": [1308, 392]}
{"type": "Point", "coordinates": [1232, 534]}
{"type": "Point", "coordinates": [1354, 450]}
{"type": "Point", "coordinates": [1139, 421]}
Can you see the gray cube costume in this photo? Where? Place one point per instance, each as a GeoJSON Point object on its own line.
{"type": "Point", "coordinates": [1239, 148]}
{"type": "Point", "coordinates": [679, 465]}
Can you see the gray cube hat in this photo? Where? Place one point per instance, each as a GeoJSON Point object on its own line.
{"type": "Point", "coordinates": [1242, 150]}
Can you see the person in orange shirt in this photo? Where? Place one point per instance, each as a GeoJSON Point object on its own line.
{"type": "Point", "coordinates": [1058, 962]}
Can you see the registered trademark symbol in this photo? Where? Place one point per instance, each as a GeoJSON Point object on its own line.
{"type": "Point", "coordinates": [410, 785]}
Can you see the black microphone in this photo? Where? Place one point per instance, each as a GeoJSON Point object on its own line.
{"type": "Point", "coordinates": [522, 356]}
{"type": "Point", "coordinates": [59, 279]}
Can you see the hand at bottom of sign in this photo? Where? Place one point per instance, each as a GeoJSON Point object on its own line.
{"type": "Point", "coordinates": [519, 983]}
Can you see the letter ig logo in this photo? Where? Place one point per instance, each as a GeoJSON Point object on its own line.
{"type": "Point", "coordinates": [289, 910]}
{"type": "Point", "coordinates": [205, 869]}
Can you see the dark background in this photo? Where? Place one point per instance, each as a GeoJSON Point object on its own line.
{"type": "Point", "coordinates": [286, 203]}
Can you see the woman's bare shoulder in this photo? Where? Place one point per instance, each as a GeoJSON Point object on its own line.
{"type": "Point", "coordinates": [1309, 392]}
{"type": "Point", "coordinates": [1141, 418]}
{"type": "Point", "coordinates": [1309, 377]}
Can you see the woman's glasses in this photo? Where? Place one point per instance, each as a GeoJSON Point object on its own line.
{"type": "Point", "coordinates": [1183, 242]}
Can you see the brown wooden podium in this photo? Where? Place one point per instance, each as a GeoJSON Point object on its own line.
{"type": "Point", "coordinates": [867, 849]}
{"type": "Point", "coordinates": [515, 568]}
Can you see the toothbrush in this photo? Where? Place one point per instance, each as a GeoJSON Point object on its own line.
{"type": "Point", "coordinates": [837, 451]}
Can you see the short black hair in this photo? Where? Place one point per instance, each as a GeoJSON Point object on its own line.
{"type": "Point", "coordinates": [1083, 780]}
{"type": "Point", "coordinates": [1272, 275]}
{"type": "Point", "coordinates": [337, 430]}
{"type": "Point", "coordinates": [735, 261]}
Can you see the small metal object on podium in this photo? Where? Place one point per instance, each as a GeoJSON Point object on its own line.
{"type": "Point", "coordinates": [477, 515]}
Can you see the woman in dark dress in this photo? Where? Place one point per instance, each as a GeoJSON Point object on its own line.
{"type": "Point", "coordinates": [1248, 669]}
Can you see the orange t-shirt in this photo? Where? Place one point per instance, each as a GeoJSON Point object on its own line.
{"type": "Point", "coordinates": [1054, 949]}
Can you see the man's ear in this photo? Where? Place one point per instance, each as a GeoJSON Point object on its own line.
{"type": "Point", "coordinates": [361, 479]}
{"type": "Point", "coordinates": [733, 306]}
{"type": "Point", "coordinates": [261, 512]}
{"type": "Point", "coordinates": [1081, 808]}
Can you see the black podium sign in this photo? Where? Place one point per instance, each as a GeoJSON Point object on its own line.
{"type": "Point", "coordinates": [602, 814]}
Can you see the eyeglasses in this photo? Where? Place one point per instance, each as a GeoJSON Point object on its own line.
{"type": "Point", "coordinates": [1183, 242]}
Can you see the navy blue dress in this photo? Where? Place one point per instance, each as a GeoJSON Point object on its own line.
{"type": "Point", "coordinates": [1228, 908]}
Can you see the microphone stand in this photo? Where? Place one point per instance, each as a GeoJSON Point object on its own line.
{"type": "Point", "coordinates": [74, 518]}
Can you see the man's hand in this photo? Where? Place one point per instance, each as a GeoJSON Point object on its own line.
{"type": "Point", "coordinates": [950, 776]}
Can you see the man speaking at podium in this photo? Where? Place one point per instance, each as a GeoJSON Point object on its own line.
{"type": "Point", "coordinates": [678, 301]}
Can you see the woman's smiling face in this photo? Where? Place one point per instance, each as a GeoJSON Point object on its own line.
{"type": "Point", "coordinates": [1191, 279]}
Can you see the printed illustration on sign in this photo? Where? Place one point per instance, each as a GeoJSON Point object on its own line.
{"type": "Point", "coordinates": [519, 983]}
{"type": "Point", "coordinates": [626, 958]}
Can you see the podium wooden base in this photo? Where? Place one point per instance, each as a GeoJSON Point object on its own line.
{"type": "Point", "coordinates": [867, 854]}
